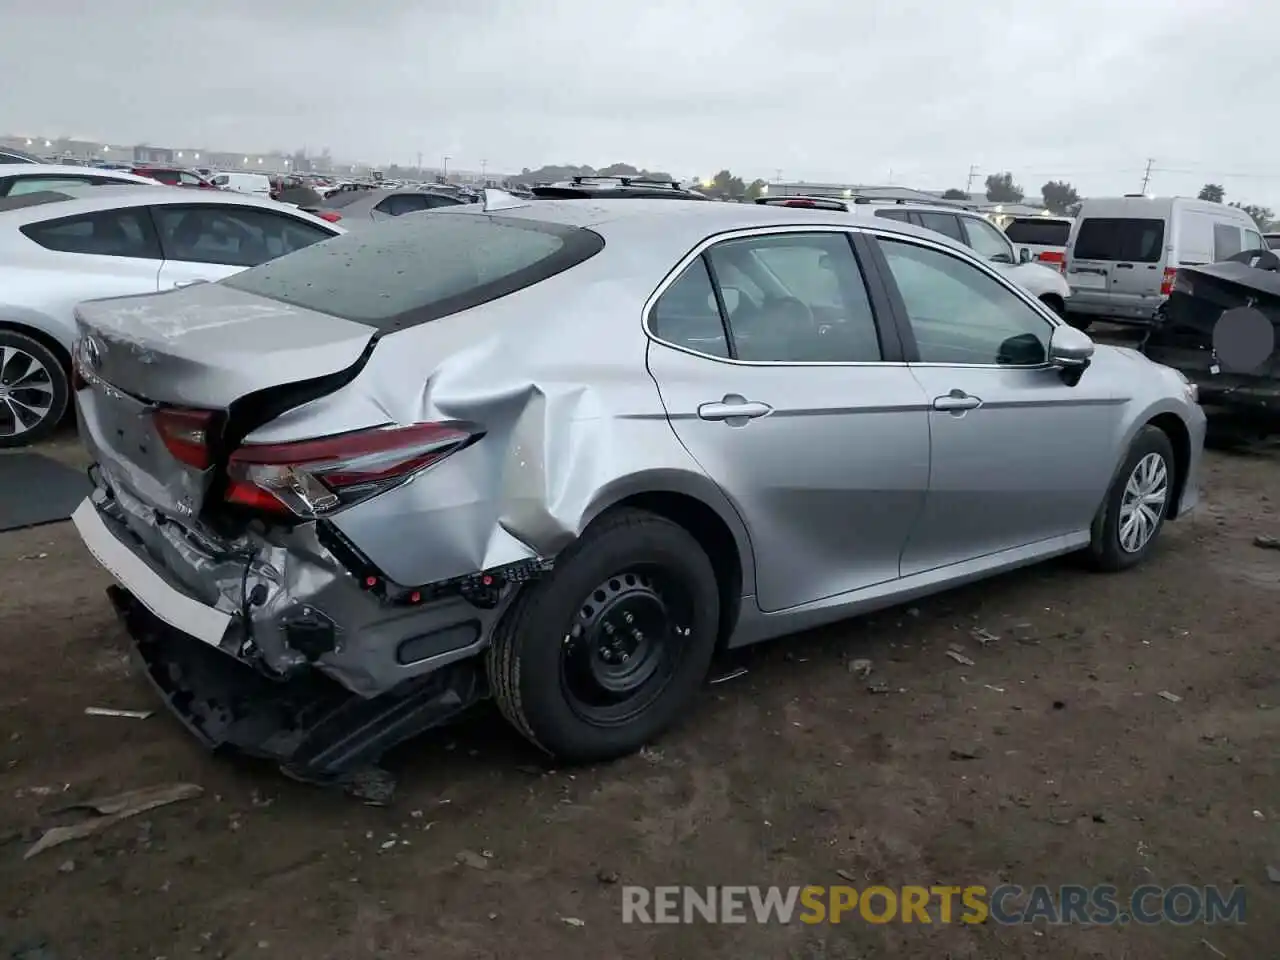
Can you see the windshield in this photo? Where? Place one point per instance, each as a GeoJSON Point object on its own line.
{"type": "Point", "coordinates": [411, 270]}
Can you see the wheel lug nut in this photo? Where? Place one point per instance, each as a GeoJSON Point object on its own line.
{"type": "Point", "coordinates": [627, 617]}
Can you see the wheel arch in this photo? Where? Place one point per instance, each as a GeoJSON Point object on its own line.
{"type": "Point", "coordinates": [1173, 427]}
{"type": "Point", "coordinates": [43, 337]}
{"type": "Point", "coordinates": [697, 504]}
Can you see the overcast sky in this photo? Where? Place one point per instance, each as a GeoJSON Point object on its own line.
{"type": "Point", "coordinates": [853, 91]}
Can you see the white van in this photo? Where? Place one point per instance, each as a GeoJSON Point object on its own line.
{"type": "Point", "coordinates": [1123, 252]}
{"type": "Point", "coordinates": [254, 184]}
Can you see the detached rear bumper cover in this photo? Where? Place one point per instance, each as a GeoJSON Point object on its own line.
{"type": "Point", "coordinates": [311, 726]}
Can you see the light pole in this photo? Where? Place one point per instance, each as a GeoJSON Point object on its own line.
{"type": "Point", "coordinates": [444, 168]}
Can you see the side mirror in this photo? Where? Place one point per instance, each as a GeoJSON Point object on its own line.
{"type": "Point", "coordinates": [1024, 255]}
{"type": "Point", "coordinates": [1071, 351]}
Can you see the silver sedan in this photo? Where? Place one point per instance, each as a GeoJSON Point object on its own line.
{"type": "Point", "coordinates": [560, 452]}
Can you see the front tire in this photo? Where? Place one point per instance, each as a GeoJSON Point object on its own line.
{"type": "Point", "coordinates": [1133, 513]}
{"type": "Point", "coordinates": [34, 390]}
{"type": "Point", "coordinates": [608, 651]}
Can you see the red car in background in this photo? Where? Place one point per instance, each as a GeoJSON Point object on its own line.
{"type": "Point", "coordinates": [175, 177]}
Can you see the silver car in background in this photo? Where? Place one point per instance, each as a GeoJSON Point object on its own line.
{"type": "Point", "coordinates": [560, 452]}
{"type": "Point", "coordinates": [69, 243]}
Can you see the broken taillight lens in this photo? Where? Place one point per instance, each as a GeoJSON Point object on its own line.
{"type": "Point", "coordinates": [310, 478]}
{"type": "Point", "coordinates": [1166, 282]}
{"type": "Point", "coordinates": [185, 434]}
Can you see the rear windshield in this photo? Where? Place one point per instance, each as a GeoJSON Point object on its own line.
{"type": "Point", "coordinates": [1127, 239]}
{"type": "Point", "coordinates": [411, 270]}
{"type": "Point", "coordinates": [1039, 232]}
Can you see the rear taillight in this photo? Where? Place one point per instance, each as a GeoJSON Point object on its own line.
{"type": "Point", "coordinates": [310, 478]}
{"type": "Point", "coordinates": [330, 216]}
{"type": "Point", "coordinates": [1166, 284]}
{"type": "Point", "coordinates": [185, 434]}
{"type": "Point", "coordinates": [1050, 256]}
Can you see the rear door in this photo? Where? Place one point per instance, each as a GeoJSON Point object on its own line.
{"type": "Point", "coordinates": [1120, 256]}
{"type": "Point", "coordinates": [210, 241]}
{"type": "Point", "coordinates": [778, 379]}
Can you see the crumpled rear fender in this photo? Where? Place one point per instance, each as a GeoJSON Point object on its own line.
{"type": "Point", "coordinates": [570, 428]}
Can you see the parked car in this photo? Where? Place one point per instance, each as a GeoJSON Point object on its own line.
{"type": "Point", "coordinates": [561, 451]}
{"type": "Point", "coordinates": [1124, 252]}
{"type": "Point", "coordinates": [366, 207]}
{"type": "Point", "coordinates": [963, 226]}
{"type": "Point", "coordinates": [1045, 236]}
{"type": "Point", "coordinates": [60, 247]}
{"type": "Point", "coordinates": [617, 188]}
{"type": "Point", "coordinates": [175, 177]}
{"type": "Point", "coordinates": [1221, 328]}
{"type": "Point", "coordinates": [13, 155]}
{"type": "Point", "coordinates": [253, 184]}
{"type": "Point", "coordinates": [39, 177]}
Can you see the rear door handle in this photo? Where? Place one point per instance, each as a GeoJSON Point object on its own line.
{"type": "Point", "coordinates": [956, 400]}
{"type": "Point", "coordinates": [1124, 266]}
{"type": "Point", "coordinates": [732, 407]}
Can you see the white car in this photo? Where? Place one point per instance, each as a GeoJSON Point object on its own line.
{"type": "Point", "coordinates": [60, 248]}
{"type": "Point", "coordinates": [20, 178]}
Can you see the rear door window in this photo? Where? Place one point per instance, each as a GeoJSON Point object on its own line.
{"type": "Point", "coordinates": [900, 215]}
{"type": "Point", "coordinates": [1120, 239]}
{"type": "Point", "coordinates": [947, 224]}
{"type": "Point", "coordinates": [416, 269]}
{"type": "Point", "coordinates": [114, 233]}
{"type": "Point", "coordinates": [1226, 241]}
{"type": "Point", "coordinates": [1040, 232]}
{"type": "Point", "coordinates": [232, 235]}
{"type": "Point", "coordinates": [20, 185]}
{"type": "Point", "coordinates": [687, 315]}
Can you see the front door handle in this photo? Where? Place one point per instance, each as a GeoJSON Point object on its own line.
{"type": "Point", "coordinates": [957, 400]}
{"type": "Point", "coordinates": [733, 407]}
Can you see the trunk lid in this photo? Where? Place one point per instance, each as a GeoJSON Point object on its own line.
{"type": "Point", "coordinates": [242, 358]}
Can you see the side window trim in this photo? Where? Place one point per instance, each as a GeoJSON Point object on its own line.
{"type": "Point", "coordinates": [898, 308]}
{"type": "Point", "coordinates": [887, 326]}
{"type": "Point", "coordinates": [730, 347]}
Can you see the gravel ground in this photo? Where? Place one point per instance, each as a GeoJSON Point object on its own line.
{"type": "Point", "coordinates": [1052, 759]}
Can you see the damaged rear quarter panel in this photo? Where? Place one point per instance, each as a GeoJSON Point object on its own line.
{"type": "Point", "coordinates": [555, 376]}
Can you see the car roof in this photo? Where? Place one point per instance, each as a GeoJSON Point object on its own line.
{"type": "Point", "coordinates": [37, 169]}
{"type": "Point", "coordinates": [74, 201]}
{"type": "Point", "coordinates": [673, 227]}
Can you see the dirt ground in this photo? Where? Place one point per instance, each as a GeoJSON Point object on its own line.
{"type": "Point", "coordinates": [1052, 760]}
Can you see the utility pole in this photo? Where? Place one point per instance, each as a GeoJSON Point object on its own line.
{"type": "Point", "coordinates": [484, 166]}
{"type": "Point", "coordinates": [968, 184]}
{"type": "Point", "coordinates": [419, 167]}
{"type": "Point", "coordinates": [444, 169]}
{"type": "Point", "coordinates": [777, 175]}
{"type": "Point", "coordinates": [1146, 176]}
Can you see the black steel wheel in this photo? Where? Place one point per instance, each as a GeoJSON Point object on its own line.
{"type": "Point", "coordinates": [608, 651]}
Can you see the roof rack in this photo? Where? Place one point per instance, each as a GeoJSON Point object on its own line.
{"type": "Point", "coordinates": [814, 203]}
{"type": "Point", "coordinates": [630, 181]}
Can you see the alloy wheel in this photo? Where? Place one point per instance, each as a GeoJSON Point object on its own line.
{"type": "Point", "coordinates": [26, 392]}
{"type": "Point", "coordinates": [1142, 506]}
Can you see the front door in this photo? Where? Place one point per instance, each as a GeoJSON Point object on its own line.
{"type": "Point", "coordinates": [1018, 456]}
{"type": "Point", "coordinates": [772, 372]}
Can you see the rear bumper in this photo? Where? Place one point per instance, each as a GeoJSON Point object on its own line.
{"type": "Point", "coordinates": [280, 601]}
{"type": "Point", "coordinates": [1121, 310]}
{"type": "Point", "coordinates": [316, 730]}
